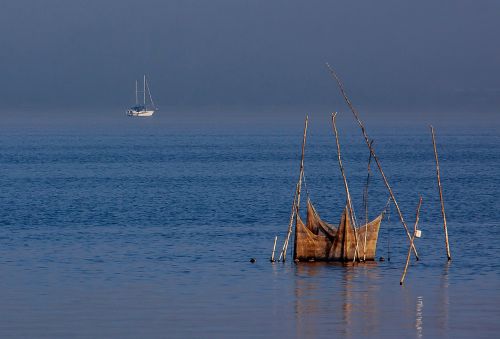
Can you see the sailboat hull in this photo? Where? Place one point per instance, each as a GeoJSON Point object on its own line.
{"type": "Point", "coordinates": [141, 110]}
{"type": "Point", "coordinates": [132, 113]}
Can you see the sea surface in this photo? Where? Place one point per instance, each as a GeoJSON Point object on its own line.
{"type": "Point", "coordinates": [140, 230]}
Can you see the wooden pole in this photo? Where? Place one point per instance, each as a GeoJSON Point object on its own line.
{"type": "Point", "coordinates": [274, 248]}
{"type": "Point", "coordinates": [346, 187]}
{"type": "Point", "coordinates": [366, 202]}
{"type": "Point", "coordinates": [367, 140]}
{"type": "Point", "coordinates": [411, 242]}
{"type": "Point", "coordinates": [441, 196]}
{"type": "Point", "coordinates": [296, 203]}
{"type": "Point", "coordinates": [290, 223]}
{"type": "Point", "coordinates": [302, 164]}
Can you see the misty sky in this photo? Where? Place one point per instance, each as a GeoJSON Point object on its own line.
{"type": "Point", "coordinates": [440, 56]}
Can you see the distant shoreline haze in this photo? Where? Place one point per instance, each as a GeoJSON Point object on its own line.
{"type": "Point", "coordinates": [251, 57]}
{"type": "Point", "coordinates": [250, 121]}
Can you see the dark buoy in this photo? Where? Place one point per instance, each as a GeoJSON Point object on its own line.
{"type": "Point", "coordinates": [253, 260]}
{"type": "Point", "coordinates": [381, 259]}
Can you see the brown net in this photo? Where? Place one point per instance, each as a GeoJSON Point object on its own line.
{"type": "Point", "coordinates": [320, 241]}
{"type": "Point", "coordinates": [318, 226]}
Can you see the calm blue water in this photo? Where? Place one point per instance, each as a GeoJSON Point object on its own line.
{"type": "Point", "coordinates": [141, 231]}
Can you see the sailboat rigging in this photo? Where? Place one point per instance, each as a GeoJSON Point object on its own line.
{"type": "Point", "coordinates": [144, 109]}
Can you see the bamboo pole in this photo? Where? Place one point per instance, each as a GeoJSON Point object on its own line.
{"type": "Point", "coordinates": [302, 164]}
{"type": "Point", "coordinates": [346, 187]}
{"type": "Point", "coordinates": [274, 248]}
{"type": "Point", "coordinates": [296, 203]}
{"type": "Point", "coordinates": [366, 202]}
{"type": "Point", "coordinates": [372, 151]}
{"type": "Point", "coordinates": [290, 223]}
{"type": "Point", "coordinates": [441, 196]}
{"type": "Point", "coordinates": [411, 242]}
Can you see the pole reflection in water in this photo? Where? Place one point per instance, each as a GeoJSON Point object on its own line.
{"type": "Point", "coordinates": [307, 298]}
{"type": "Point", "coordinates": [444, 300]}
{"type": "Point", "coordinates": [336, 299]}
{"type": "Point", "coordinates": [419, 323]}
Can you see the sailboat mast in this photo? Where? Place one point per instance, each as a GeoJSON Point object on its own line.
{"type": "Point", "coordinates": [144, 90]}
{"type": "Point", "coordinates": [136, 98]}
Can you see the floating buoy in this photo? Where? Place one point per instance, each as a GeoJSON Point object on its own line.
{"type": "Point", "coordinates": [381, 259]}
{"type": "Point", "coordinates": [253, 260]}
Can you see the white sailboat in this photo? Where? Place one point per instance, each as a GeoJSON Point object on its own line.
{"type": "Point", "coordinates": [142, 110]}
